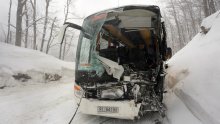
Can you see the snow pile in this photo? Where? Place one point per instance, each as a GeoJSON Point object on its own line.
{"type": "Point", "coordinates": [29, 63]}
{"type": "Point", "coordinates": [194, 73]}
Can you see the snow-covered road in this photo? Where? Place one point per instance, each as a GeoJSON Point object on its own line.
{"type": "Point", "coordinates": [51, 103]}
{"type": "Point", "coordinates": [37, 104]}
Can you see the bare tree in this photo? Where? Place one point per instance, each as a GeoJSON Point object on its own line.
{"type": "Point", "coordinates": [45, 24]}
{"type": "Point", "coordinates": [9, 22]}
{"type": "Point", "coordinates": [20, 6]}
{"type": "Point", "coordinates": [212, 8]}
{"type": "Point", "coordinates": [177, 22]}
{"type": "Point", "coordinates": [27, 26]}
{"type": "Point", "coordinates": [50, 37]}
{"type": "Point", "coordinates": [70, 44]}
{"type": "Point", "coordinates": [217, 4]}
{"type": "Point", "coordinates": [66, 11]}
{"type": "Point", "coordinates": [205, 8]}
{"type": "Point", "coordinates": [34, 5]}
{"type": "Point", "coordinates": [183, 18]}
{"type": "Point", "coordinates": [209, 7]}
{"type": "Point", "coordinates": [192, 16]}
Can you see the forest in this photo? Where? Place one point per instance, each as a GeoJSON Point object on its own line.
{"type": "Point", "coordinates": [38, 27]}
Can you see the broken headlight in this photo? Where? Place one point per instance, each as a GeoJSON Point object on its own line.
{"type": "Point", "coordinates": [112, 93]}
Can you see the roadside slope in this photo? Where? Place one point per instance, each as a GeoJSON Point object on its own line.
{"type": "Point", "coordinates": [193, 72]}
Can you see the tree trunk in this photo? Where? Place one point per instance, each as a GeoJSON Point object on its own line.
{"type": "Point", "coordinates": [177, 23]}
{"type": "Point", "coordinates": [60, 53]}
{"type": "Point", "coordinates": [64, 49]}
{"type": "Point", "coordinates": [51, 33]}
{"type": "Point", "coordinates": [10, 37]}
{"type": "Point", "coordinates": [19, 22]}
{"type": "Point", "coordinates": [26, 24]}
{"type": "Point", "coordinates": [9, 22]}
{"type": "Point", "coordinates": [187, 32]}
{"type": "Point", "coordinates": [69, 45]}
{"type": "Point", "coordinates": [68, 2]}
{"type": "Point", "coordinates": [212, 7]}
{"type": "Point", "coordinates": [45, 25]}
{"type": "Point", "coordinates": [192, 15]}
{"type": "Point", "coordinates": [205, 8]}
{"type": "Point", "coordinates": [34, 5]}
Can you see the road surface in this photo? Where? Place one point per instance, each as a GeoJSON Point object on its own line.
{"type": "Point", "coordinates": [50, 103]}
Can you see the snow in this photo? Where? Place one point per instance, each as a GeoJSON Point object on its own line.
{"type": "Point", "coordinates": [194, 71]}
{"type": "Point", "coordinates": [208, 22]}
{"type": "Point", "coordinates": [34, 101]}
{"type": "Point", "coordinates": [177, 112]}
{"type": "Point", "coordinates": [50, 103]}
{"type": "Point", "coordinates": [20, 59]}
{"type": "Point", "coordinates": [16, 60]}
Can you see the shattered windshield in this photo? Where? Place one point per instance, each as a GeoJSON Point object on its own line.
{"type": "Point", "coordinates": [86, 53]}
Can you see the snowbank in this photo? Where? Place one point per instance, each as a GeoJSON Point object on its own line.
{"type": "Point", "coordinates": [194, 73]}
{"type": "Point", "coordinates": [33, 63]}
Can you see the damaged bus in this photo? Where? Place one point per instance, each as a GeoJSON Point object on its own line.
{"type": "Point", "coordinates": [120, 62]}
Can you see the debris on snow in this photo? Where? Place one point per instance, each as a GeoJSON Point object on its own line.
{"type": "Point", "coordinates": [52, 77]}
{"type": "Point", "coordinates": [21, 77]}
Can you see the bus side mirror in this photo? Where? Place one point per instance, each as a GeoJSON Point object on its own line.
{"type": "Point", "coordinates": [72, 25]}
{"type": "Point", "coordinates": [168, 53]}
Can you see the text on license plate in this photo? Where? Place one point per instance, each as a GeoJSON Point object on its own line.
{"type": "Point", "coordinates": [107, 109]}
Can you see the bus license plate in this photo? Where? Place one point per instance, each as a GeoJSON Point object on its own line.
{"type": "Point", "coordinates": [107, 109]}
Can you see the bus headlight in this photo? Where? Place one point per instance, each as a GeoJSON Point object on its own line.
{"type": "Point", "coordinates": [78, 91]}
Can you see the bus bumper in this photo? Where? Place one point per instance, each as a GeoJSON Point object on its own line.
{"type": "Point", "coordinates": [125, 109]}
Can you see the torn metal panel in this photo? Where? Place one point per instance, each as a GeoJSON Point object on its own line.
{"type": "Point", "coordinates": [111, 67]}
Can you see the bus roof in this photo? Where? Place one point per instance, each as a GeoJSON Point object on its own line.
{"type": "Point", "coordinates": [152, 8]}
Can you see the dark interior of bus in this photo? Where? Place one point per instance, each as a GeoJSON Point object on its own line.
{"type": "Point", "coordinates": [136, 47]}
